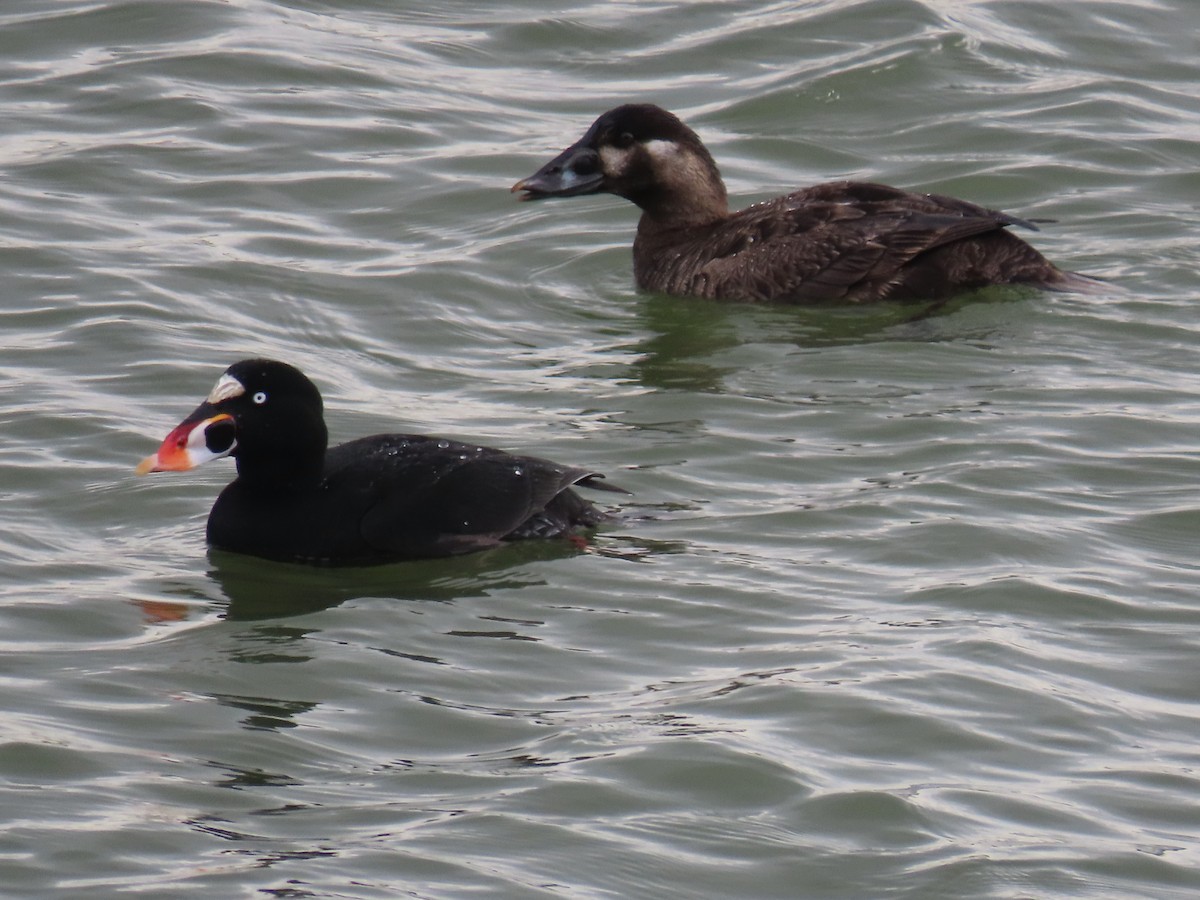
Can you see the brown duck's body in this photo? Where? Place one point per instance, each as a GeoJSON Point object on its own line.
{"type": "Point", "coordinates": [844, 242]}
{"type": "Point", "coordinates": [841, 242]}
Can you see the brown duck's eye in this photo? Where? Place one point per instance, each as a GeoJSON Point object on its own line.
{"type": "Point", "coordinates": [623, 140]}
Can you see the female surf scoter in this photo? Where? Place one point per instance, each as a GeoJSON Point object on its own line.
{"type": "Point", "coordinates": [841, 242]}
{"type": "Point", "coordinates": [376, 499]}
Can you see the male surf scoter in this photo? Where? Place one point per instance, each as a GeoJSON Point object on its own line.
{"type": "Point", "coordinates": [376, 499]}
{"type": "Point", "coordinates": [841, 242]}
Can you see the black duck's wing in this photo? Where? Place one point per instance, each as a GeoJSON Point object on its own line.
{"type": "Point", "coordinates": [442, 497]}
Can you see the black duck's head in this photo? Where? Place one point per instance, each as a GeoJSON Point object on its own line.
{"type": "Point", "coordinates": [638, 151]}
{"type": "Point", "coordinates": [265, 413]}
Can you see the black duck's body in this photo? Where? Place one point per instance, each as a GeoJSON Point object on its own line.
{"type": "Point", "coordinates": [377, 499]}
{"type": "Point", "coordinates": [398, 496]}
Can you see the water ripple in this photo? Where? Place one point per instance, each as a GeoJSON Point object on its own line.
{"type": "Point", "coordinates": [899, 599]}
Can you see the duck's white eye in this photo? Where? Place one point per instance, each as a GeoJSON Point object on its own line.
{"type": "Point", "coordinates": [260, 398]}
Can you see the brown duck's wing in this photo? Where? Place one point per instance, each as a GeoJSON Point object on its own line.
{"type": "Point", "coordinates": [847, 242]}
{"type": "Point", "coordinates": [870, 197]}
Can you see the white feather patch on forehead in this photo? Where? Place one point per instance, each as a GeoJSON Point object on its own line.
{"type": "Point", "coordinates": [226, 388]}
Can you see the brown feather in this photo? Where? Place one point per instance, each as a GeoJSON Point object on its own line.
{"type": "Point", "coordinates": [840, 242]}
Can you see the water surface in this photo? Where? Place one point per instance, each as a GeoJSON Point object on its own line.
{"type": "Point", "coordinates": [902, 605]}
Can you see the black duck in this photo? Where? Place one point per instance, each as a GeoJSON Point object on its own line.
{"type": "Point", "coordinates": [372, 500]}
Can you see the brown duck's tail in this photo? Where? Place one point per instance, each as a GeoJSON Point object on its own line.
{"type": "Point", "coordinates": [1076, 283]}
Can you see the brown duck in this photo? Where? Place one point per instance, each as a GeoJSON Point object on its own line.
{"type": "Point", "coordinates": [841, 242]}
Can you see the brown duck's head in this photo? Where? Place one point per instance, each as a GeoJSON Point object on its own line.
{"type": "Point", "coordinates": [638, 151]}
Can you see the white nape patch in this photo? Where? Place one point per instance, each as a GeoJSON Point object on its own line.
{"type": "Point", "coordinates": [226, 388]}
{"type": "Point", "coordinates": [661, 149]}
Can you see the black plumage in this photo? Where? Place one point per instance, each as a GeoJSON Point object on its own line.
{"type": "Point", "coordinates": [372, 500]}
{"type": "Point", "coordinates": [840, 242]}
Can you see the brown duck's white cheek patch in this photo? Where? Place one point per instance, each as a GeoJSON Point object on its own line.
{"type": "Point", "coordinates": [615, 161]}
{"type": "Point", "coordinates": [618, 161]}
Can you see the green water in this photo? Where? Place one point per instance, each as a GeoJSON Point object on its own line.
{"type": "Point", "coordinates": [901, 606]}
